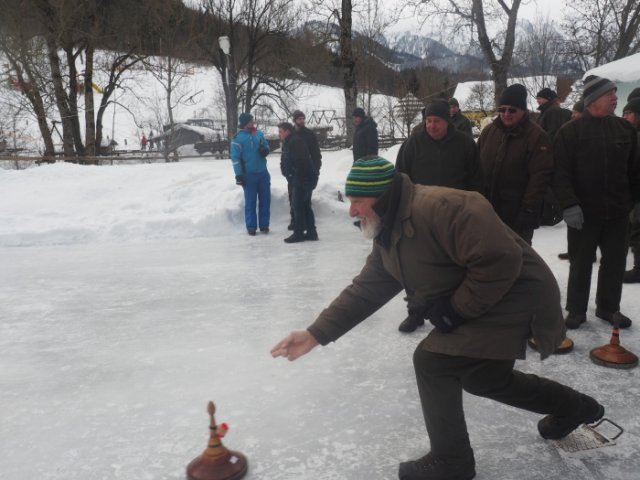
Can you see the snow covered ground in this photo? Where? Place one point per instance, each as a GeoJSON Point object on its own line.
{"type": "Point", "coordinates": [131, 295]}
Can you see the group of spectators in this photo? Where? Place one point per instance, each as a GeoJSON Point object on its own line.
{"type": "Point", "coordinates": [452, 224]}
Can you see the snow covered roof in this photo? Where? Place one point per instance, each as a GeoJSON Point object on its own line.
{"type": "Point", "coordinates": [624, 70]}
{"type": "Point", "coordinates": [467, 92]}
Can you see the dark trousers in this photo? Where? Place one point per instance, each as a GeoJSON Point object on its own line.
{"type": "Point", "coordinates": [611, 237]}
{"type": "Point", "coordinates": [303, 217]}
{"type": "Point", "coordinates": [442, 378]}
{"type": "Point", "coordinates": [634, 239]}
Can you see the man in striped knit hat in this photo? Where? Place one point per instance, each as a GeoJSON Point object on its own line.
{"type": "Point", "coordinates": [478, 283]}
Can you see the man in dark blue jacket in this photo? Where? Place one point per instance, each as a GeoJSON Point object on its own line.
{"type": "Point", "coordinates": [365, 135]}
{"type": "Point", "coordinates": [301, 172]}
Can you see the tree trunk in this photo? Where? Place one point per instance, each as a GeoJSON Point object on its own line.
{"type": "Point", "coordinates": [92, 140]}
{"type": "Point", "coordinates": [347, 61]}
{"type": "Point", "coordinates": [61, 99]}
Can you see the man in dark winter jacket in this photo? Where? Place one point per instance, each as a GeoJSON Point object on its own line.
{"type": "Point", "coordinates": [479, 284]}
{"type": "Point", "coordinates": [631, 113]}
{"type": "Point", "coordinates": [438, 154]}
{"type": "Point", "coordinates": [365, 135]}
{"type": "Point", "coordinates": [311, 140]}
{"type": "Point", "coordinates": [597, 181]}
{"type": "Point", "coordinates": [552, 116]}
{"type": "Point", "coordinates": [300, 171]}
{"type": "Point", "coordinates": [458, 120]}
{"type": "Point", "coordinates": [516, 163]}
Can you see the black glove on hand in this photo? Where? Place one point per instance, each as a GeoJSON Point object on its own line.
{"type": "Point", "coordinates": [263, 150]}
{"type": "Point", "coordinates": [240, 180]}
{"type": "Point", "coordinates": [527, 219]}
{"type": "Point", "coordinates": [442, 315]}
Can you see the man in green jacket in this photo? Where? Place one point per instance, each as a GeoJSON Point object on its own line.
{"type": "Point", "coordinates": [480, 286]}
{"type": "Point", "coordinates": [597, 182]}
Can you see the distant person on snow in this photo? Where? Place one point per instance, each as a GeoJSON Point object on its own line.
{"type": "Point", "coordinates": [479, 284]}
{"type": "Point", "coordinates": [458, 120]}
{"type": "Point", "coordinates": [365, 135]}
{"type": "Point", "coordinates": [301, 173]}
{"type": "Point", "coordinates": [143, 143]}
{"type": "Point", "coordinates": [249, 150]}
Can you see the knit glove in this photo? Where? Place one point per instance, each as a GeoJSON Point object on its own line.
{"type": "Point", "coordinates": [240, 180]}
{"type": "Point", "coordinates": [526, 219]}
{"type": "Point", "coordinates": [263, 149]}
{"type": "Point", "coordinates": [442, 315]}
{"type": "Point", "coordinates": [573, 217]}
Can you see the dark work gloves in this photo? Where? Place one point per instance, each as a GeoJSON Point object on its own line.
{"type": "Point", "coordinates": [526, 219]}
{"type": "Point", "coordinates": [442, 315]}
{"type": "Point", "coordinates": [240, 180]}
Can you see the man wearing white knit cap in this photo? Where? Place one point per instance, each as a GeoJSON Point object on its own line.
{"type": "Point", "coordinates": [597, 182]}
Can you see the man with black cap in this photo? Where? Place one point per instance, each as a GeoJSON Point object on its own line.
{"type": "Point", "coordinates": [552, 116]}
{"type": "Point", "coordinates": [365, 135]}
{"type": "Point", "coordinates": [438, 154]}
{"type": "Point", "coordinates": [480, 286]}
{"type": "Point", "coordinates": [457, 119]}
{"type": "Point", "coordinates": [631, 113]}
{"type": "Point", "coordinates": [597, 181]}
{"type": "Point", "coordinates": [516, 162]}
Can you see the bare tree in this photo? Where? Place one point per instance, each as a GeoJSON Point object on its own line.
{"type": "Point", "coordinates": [480, 18]}
{"type": "Point", "coordinates": [540, 48]}
{"type": "Point", "coordinates": [599, 31]}
{"type": "Point", "coordinates": [248, 45]}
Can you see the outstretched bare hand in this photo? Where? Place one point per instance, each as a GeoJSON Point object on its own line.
{"type": "Point", "coordinates": [294, 345]}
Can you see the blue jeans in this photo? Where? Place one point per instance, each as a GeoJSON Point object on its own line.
{"type": "Point", "coordinates": [303, 217]}
{"type": "Point", "coordinates": [257, 189]}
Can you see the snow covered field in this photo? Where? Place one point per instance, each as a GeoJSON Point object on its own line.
{"type": "Point", "coordinates": [130, 296]}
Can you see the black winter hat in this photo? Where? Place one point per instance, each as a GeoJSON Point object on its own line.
{"type": "Point", "coordinates": [595, 87]}
{"type": "Point", "coordinates": [515, 95]}
{"type": "Point", "coordinates": [547, 94]}
{"type": "Point", "coordinates": [635, 93]}
{"type": "Point", "coordinates": [632, 106]}
{"type": "Point", "coordinates": [298, 114]}
{"type": "Point", "coordinates": [437, 108]}
{"type": "Point", "coordinates": [358, 112]}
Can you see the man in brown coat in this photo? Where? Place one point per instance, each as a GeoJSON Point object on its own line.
{"type": "Point", "coordinates": [597, 182]}
{"type": "Point", "coordinates": [478, 283]}
{"type": "Point", "coordinates": [516, 162]}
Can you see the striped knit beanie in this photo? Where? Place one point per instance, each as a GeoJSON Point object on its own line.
{"type": "Point", "coordinates": [595, 87]}
{"type": "Point", "coordinates": [369, 177]}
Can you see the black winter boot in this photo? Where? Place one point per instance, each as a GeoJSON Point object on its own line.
{"type": "Point", "coordinates": [552, 427]}
{"type": "Point", "coordinates": [434, 467]}
{"type": "Point", "coordinates": [632, 276]}
{"type": "Point", "coordinates": [410, 323]}
{"type": "Point", "coordinates": [613, 317]}
{"type": "Point", "coordinates": [311, 235]}
{"type": "Point", "coordinates": [295, 238]}
{"type": "Point", "coordinates": [574, 320]}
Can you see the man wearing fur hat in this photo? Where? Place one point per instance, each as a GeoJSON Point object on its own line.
{"type": "Point", "coordinates": [597, 181]}
{"type": "Point", "coordinates": [516, 162]}
{"type": "Point", "coordinates": [248, 151]}
{"type": "Point", "coordinates": [438, 154]}
{"type": "Point", "coordinates": [480, 286]}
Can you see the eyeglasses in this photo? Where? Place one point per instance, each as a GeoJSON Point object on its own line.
{"type": "Point", "coordinates": [507, 110]}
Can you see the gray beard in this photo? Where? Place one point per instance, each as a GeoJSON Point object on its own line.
{"type": "Point", "coordinates": [372, 229]}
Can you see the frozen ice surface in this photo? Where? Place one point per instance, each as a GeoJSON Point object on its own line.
{"type": "Point", "coordinates": [112, 342]}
